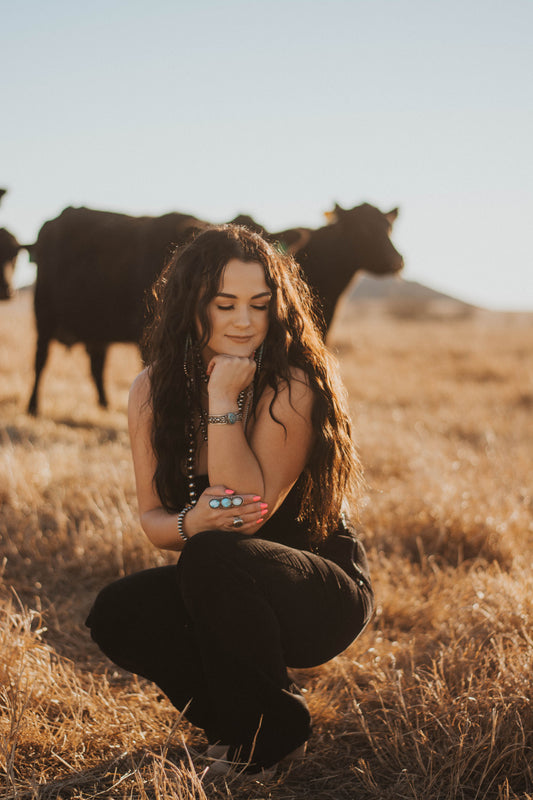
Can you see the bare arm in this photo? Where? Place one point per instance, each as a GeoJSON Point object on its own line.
{"type": "Point", "coordinates": [160, 525]}
{"type": "Point", "coordinates": [156, 522]}
{"type": "Point", "coordinates": [274, 457]}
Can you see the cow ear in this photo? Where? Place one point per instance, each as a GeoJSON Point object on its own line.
{"type": "Point", "coordinates": [391, 216]}
{"type": "Point", "coordinates": [333, 216]}
{"type": "Point", "coordinates": [298, 244]}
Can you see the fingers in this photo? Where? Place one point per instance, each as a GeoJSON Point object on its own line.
{"type": "Point", "coordinates": [231, 368]}
{"type": "Point", "coordinates": [230, 361]}
{"type": "Point", "coordinates": [247, 517]}
{"type": "Point", "coordinates": [226, 501]}
{"type": "Point", "coordinates": [218, 490]}
{"type": "Point", "coordinates": [224, 509]}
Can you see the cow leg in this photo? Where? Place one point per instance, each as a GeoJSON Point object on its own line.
{"type": "Point", "coordinates": [97, 354]}
{"type": "Point", "coordinates": [41, 354]}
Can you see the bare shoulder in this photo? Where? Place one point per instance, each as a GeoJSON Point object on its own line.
{"type": "Point", "coordinates": [300, 378]}
{"type": "Point", "coordinates": [295, 394]}
{"type": "Point", "coordinates": [139, 396]}
{"type": "Point", "coordinates": [140, 388]}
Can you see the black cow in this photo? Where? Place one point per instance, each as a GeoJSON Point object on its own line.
{"type": "Point", "coordinates": [93, 271]}
{"type": "Point", "coordinates": [355, 239]}
{"type": "Point", "coordinates": [9, 248]}
{"type": "Point", "coordinates": [95, 267]}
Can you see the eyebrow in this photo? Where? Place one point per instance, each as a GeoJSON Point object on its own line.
{"type": "Point", "coordinates": [234, 296]}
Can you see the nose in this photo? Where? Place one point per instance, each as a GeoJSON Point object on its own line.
{"type": "Point", "coordinates": [242, 318]}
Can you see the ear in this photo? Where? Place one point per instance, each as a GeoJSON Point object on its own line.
{"type": "Point", "coordinates": [303, 237]}
{"type": "Point", "coordinates": [333, 216]}
{"type": "Point", "coordinates": [391, 216]}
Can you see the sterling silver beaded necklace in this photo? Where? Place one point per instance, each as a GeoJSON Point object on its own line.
{"type": "Point", "coordinates": [244, 403]}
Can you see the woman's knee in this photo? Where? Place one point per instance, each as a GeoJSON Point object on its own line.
{"type": "Point", "coordinates": [209, 561]}
{"type": "Point", "coordinates": [133, 600]}
{"type": "Point", "coordinates": [208, 546]}
{"type": "Point", "coordinates": [103, 614]}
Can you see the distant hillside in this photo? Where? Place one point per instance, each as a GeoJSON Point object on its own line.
{"type": "Point", "coordinates": [408, 299]}
{"type": "Point", "coordinates": [368, 287]}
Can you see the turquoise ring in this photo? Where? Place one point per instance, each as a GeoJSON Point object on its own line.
{"type": "Point", "coordinates": [226, 502]}
{"type": "Point", "coordinates": [237, 500]}
{"type": "Point", "coordinates": [214, 502]}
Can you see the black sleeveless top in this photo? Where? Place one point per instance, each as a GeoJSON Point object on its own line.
{"type": "Point", "coordinates": [342, 546]}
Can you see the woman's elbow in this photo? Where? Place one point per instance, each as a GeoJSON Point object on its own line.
{"type": "Point", "coordinates": [144, 519]}
{"type": "Point", "coordinates": [150, 528]}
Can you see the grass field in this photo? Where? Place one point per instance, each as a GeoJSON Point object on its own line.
{"type": "Point", "coordinates": [433, 701]}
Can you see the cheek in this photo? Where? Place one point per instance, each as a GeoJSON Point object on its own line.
{"type": "Point", "coordinates": [215, 323]}
{"type": "Point", "coordinates": [212, 323]}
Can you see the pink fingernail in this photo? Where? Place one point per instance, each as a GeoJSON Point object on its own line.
{"type": "Point", "coordinates": [256, 498]}
{"type": "Point", "coordinates": [259, 520]}
{"type": "Point", "coordinates": [264, 506]}
{"type": "Point", "coordinates": [229, 491]}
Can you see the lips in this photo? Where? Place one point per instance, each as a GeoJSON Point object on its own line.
{"type": "Point", "coordinates": [240, 339]}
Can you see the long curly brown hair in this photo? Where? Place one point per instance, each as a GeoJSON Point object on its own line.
{"type": "Point", "coordinates": [182, 292]}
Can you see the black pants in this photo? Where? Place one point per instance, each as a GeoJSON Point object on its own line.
{"type": "Point", "coordinates": [218, 631]}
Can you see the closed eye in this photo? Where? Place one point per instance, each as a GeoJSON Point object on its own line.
{"type": "Point", "coordinates": [230, 308]}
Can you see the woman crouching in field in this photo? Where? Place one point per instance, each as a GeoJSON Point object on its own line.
{"type": "Point", "coordinates": [243, 460]}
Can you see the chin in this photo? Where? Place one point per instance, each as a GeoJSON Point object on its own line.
{"type": "Point", "coordinates": [240, 348]}
{"type": "Point", "coordinates": [242, 352]}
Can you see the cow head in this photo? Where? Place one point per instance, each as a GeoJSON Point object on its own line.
{"type": "Point", "coordinates": [248, 222]}
{"type": "Point", "coordinates": [9, 248]}
{"type": "Point", "coordinates": [368, 230]}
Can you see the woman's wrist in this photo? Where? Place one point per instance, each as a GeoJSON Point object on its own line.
{"type": "Point", "coordinates": [229, 418]}
{"type": "Point", "coordinates": [182, 533]}
{"type": "Point", "coordinates": [223, 405]}
{"type": "Point", "coordinates": [190, 522]}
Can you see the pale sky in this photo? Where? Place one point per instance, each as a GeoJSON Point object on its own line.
{"type": "Point", "coordinates": [279, 109]}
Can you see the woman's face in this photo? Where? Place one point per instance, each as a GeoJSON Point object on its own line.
{"type": "Point", "coordinates": [239, 312]}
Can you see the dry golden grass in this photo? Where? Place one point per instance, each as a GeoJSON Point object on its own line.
{"type": "Point", "coordinates": [432, 702]}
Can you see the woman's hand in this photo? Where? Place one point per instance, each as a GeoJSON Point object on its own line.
{"type": "Point", "coordinates": [228, 376]}
{"type": "Point", "coordinates": [203, 517]}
